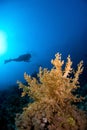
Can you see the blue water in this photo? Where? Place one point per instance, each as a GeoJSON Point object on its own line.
{"type": "Point", "coordinates": [41, 28]}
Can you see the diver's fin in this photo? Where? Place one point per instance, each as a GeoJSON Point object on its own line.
{"type": "Point", "coordinates": [6, 61]}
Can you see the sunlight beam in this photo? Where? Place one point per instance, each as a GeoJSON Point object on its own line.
{"type": "Point", "coordinates": [3, 42]}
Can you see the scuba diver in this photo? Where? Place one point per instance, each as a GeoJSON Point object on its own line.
{"type": "Point", "coordinates": [24, 57]}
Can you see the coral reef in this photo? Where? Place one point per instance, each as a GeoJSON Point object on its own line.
{"type": "Point", "coordinates": [53, 105]}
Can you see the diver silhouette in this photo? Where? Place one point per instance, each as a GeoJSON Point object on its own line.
{"type": "Point", "coordinates": [24, 57]}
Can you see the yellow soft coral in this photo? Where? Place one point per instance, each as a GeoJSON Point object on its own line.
{"type": "Point", "coordinates": [55, 84]}
{"type": "Point", "coordinates": [52, 94]}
